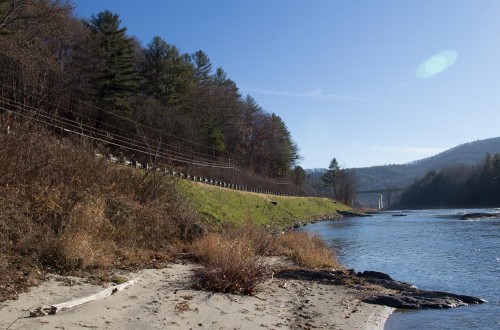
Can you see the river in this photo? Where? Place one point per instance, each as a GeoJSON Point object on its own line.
{"type": "Point", "coordinates": [432, 250]}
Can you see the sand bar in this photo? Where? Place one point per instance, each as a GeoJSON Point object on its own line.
{"type": "Point", "coordinates": [164, 299]}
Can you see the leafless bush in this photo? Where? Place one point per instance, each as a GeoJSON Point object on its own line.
{"type": "Point", "coordinates": [61, 207]}
{"type": "Point", "coordinates": [229, 265]}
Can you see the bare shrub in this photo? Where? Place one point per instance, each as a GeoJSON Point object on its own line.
{"type": "Point", "coordinates": [61, 207]}
{"type": "Point", "coordinates": [306, 250]}
{"type": "Point", "coordinates": [85, 240]}
{"type": "Point", "coordinates": [229, 265]}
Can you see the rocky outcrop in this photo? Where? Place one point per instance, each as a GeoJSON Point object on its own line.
{"type": "Point", "coordinates": [420, 299]}
{"type": "Point", "coordinates": [410, 297]}
{"type": "Point", "coordinates": [351, 214]}
{"type": "Point", "coordinates": [481, 215]}
{"type": "Point", "coordinates": [380, 289]}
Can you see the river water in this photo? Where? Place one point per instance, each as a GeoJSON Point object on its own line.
{"type": "Point", "coordinates": [431, 250]}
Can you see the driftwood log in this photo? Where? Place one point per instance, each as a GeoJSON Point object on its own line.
{"type": "Point", "coordinates": [54, 309]}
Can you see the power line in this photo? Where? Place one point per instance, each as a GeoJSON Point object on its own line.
{"type": "Point", "coordinates": [133, 144]}
{"type": "Point", "coordinates": [162, 155]}
{"type": "Point", "coordinates": [121, 129]}
{"type": "Point", "coordinates": [129, 120]}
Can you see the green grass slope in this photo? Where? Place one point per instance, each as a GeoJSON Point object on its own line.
{"type": "Point", "coordinates": [221, 206]}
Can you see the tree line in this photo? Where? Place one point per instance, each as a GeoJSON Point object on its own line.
{"type": "Point", "coordinates": [94, 71]}
{"type": "Point", "coordinates": [458, 186]}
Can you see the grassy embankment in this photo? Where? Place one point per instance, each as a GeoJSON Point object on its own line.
{"type": "Point", "coordinates": [63, 210]}
{"type": "Point", "coordinates": [222, 207]}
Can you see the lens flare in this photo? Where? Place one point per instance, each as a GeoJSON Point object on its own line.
{"type": "Point", "coordinates": [437, 64]}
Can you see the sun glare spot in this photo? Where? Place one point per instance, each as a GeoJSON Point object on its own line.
{"type": "Point", "coordinates": [436, 64]}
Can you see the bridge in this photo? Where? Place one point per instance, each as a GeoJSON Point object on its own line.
{"type": "Point", "coordinates": [383, 202]}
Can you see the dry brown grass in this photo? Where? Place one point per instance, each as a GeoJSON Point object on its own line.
{"type": "Point", "coordinates": [233, 261]}
{"type": "Point", "coordinates": [260, 240]}
{"type": "Point", "coordinates": [306, 250]}
{"type": "Point", "coordinates": [62, 208]}
{"type": "Point", "coordinates": [230, 265]}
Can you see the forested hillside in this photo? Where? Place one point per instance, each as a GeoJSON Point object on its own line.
{"type": "Point", "coordinates": [93, 73]}
{"type": "Point", "coordinates": [457, 186]}
{"type": "Point", "coordinates": [400, 176]}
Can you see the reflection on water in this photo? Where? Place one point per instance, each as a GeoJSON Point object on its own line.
{"type": "Point", "coordinates": [431, 250]}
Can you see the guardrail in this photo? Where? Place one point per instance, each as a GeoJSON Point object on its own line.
{"type": "Point", "coordinates": [153, 155]}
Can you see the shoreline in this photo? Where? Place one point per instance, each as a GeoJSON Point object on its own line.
{"type": "Point", "coordinates": [164, 299]}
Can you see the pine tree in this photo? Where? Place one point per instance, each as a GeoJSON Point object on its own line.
{"type": "Point", "coordinates": [331, 177]}
{"type": "Point", "coordinates": [203, 66]}
{"type": "Point", "coordinates": [284, 150]}
{"type": "Point", "coordinates": [117, 77]}
{"type": "Point", "coordinates": [168, 74]}
{"type": "Point", "coordinates": [154, 68]}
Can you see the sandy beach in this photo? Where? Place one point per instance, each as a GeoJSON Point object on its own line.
{"type": "Point", "coordinates": [164, 299]}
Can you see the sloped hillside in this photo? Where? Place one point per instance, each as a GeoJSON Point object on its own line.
{"type": "Point", "coordinates": [402, 175]}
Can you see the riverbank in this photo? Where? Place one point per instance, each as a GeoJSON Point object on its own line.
{"type": "Point", "coordinates": [164, 299]}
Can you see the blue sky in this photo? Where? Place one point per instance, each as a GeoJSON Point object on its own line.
{"type": "Point", "coordinates": [343, 74]}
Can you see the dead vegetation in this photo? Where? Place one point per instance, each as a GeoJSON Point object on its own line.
{"type": "Point", "coordinates": [63, 209]}
{"type": "Point", "coordinates": [306, 250]}
{"type": "Point", "coordinates": [229, 265]}
{"type": "Point", "coordinates": [233, 260]}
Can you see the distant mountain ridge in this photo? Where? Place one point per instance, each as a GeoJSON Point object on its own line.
{"type": "Point", "coordinates": [400, 176]}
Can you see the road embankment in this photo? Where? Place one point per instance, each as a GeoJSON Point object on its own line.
{"type": "Point", "coordinates": [221, 206]}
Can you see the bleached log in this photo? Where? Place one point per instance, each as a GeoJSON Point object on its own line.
{"type": "Point", "coordinates": [42, 311]}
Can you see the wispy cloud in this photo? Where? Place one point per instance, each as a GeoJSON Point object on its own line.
{"type": "Point", "coordinates": [409, 150]}
{"type": "Point", "coordinates": [318, 94]}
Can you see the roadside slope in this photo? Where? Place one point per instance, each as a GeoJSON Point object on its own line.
{"type": "Point", "coordinates": [222, 206]}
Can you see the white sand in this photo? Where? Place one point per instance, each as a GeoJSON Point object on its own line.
{"type": "Point", "coordinates": [164, 299]}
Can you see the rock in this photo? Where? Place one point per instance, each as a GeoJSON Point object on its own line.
{"type": "Point", "coordinates": [420, 299]}
{"type": "Point", "coordinates": [373, 274]}
{"type": "Point", "coordinates": [385, 281]}
{"type": "Point", "coordinates": [351, 214]}
{"type": "Point", "coordinates": [391, 293]}
{"type": "Point", "coordinates": [470, 216]}
{"type": "Point", "coordinates": [410, 297]}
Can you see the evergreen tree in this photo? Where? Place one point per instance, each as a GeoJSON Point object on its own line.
{"type": "Point", "coordinates": [116, 78]}
{"type": "Point", "coordinates": [331, 176]}
{"type": "Point", "coordinates": [496, 176]}
{"type": "Point", "coordinates": [168, 74]}
{"type": "Point", "coordinates": [284, 150]}
{"type": "Point", "coordinates": [154, 68]}
{"type": "Point", "coordinates": [203, 66]}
